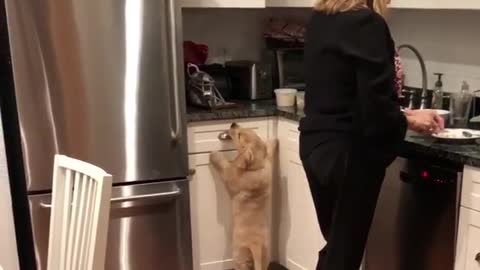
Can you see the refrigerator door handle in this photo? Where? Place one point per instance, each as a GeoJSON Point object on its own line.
{"type": "Point", "coordinates": [162, 195]}
{"type": "Point", "coordinates": [177, 132]}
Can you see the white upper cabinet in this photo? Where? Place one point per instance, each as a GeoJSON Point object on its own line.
{"type": "Point", "coordinates": [224, 3]}
{"type": "Point", "coordinates": [436, 4]}
{"type": "Point", "coordinates": [410, 4]}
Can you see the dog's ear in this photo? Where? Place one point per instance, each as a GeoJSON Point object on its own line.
{"type": "Point", "coordinates": [245, 158]}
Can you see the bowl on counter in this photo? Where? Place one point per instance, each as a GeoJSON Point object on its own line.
{"type": "Point", "coordinates": [285, 97]}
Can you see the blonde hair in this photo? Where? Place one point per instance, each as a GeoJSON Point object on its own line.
{"type": "Point", "coordinates": [337, 6]}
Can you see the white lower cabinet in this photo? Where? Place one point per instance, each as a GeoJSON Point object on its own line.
{"type": "Point", "coordinates": [209, 201]}
{"type": "Point", "coordinates": [210, 217]}
{"type": "Point", "coordinates": [468, 248]}
{"type": "Point", "coordinates": [304, 239]}
{"type": "Point", "coordinates": [300, 238]}
{"type": "Point", "coordinates": [296, 236]}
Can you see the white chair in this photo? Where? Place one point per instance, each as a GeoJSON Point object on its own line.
{"type": "Point", "coordinates": [80, 215]}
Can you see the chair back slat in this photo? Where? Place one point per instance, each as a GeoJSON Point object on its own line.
{"type": "Point", "coordinates": [80, 215]}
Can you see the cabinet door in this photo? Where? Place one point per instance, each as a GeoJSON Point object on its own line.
{"type": "Point", "coordinates": [468, 251]}
{"type": "Point", "coordinates": [223, 3]}
{"type": "Point", "coordinates": [304, 237]}
{"type": "Point", "coordinates": [210, 216]}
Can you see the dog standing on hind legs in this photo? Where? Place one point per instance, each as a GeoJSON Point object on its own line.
{"type": "Point", "coordinates": [248, 180]}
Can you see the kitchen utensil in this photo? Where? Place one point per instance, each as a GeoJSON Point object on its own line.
{"type": "Point", "coordinates": [470, 134]}
{"type": "Point", "coordinates": [222, 80]}
{"type": "Point", "coordinates": [457, 135]}
{"type": "Point", "coordinates": [202, 91]}
{"type": "Point", "coordinates": [250, 80]}
{"type": "Point", "coordinates": [412, 98]}
{"type": "Point", "coordinates": [285, 97]}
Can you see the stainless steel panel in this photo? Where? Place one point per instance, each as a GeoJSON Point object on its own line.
{"type": "Point", "coordinates": [414, 227]}
{"type": "Point", "coordinates": [149, 227]}
{"type": "Point", "coordinates": [101, 81]}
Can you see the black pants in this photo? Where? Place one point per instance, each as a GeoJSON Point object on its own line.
{"type": "Point", "coordinates": [345, 186]}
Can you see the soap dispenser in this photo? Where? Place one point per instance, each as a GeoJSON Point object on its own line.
{"type": "Point", "coordinates": [438, 92]}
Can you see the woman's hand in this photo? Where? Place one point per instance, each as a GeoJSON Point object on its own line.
{"type": "Point", "coordinates": [424, 121]}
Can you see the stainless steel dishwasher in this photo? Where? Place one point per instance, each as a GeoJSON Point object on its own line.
{"type": "Point", "coordinates": [416, 219]}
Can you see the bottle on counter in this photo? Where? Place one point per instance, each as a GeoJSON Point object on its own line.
{"type": "Point", "coordinates": [438, 92]}
{"type": "Point", "coordinates": [460, 104]}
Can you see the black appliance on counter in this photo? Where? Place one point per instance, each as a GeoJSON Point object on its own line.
{"type": "Point", "coordinates": [250, 80]}
{"type": "Point", "coordinates": [289, 68]}
{"type": "Point", "coordinates": [416, 219]}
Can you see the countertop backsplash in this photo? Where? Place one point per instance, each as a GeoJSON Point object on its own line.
{"type": "Point", "coordinates": [447, 39]}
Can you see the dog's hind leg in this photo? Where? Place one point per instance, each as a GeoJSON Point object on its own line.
{"type": "Point", "coordinates": [242, 258]}
{"type": "Point", "coordinates": [259, 253]}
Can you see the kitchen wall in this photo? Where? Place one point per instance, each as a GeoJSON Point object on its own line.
{"type": "Point", "coordinates": [448, 40]}
{"type": "Point", "coordinates": [8, 245]}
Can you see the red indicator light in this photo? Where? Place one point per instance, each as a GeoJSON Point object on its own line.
{"type": "Point", "coordinates": [425, 174]}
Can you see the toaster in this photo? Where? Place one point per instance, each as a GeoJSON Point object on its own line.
{"type": "Point", "coordinates": [250, 80]}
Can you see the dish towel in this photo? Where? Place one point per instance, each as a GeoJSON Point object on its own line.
{"type": "Point", "coordinates": [399, 75]}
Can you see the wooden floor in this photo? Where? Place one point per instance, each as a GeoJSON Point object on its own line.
{"type": "Point", "coordinates": [275, 266]}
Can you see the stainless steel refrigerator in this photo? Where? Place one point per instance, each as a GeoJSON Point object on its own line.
{"type": "Point", "coordinates": [102, 81]}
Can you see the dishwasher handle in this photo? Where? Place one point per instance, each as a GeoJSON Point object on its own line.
{"type": "Point", "coordinates": [162, 195]}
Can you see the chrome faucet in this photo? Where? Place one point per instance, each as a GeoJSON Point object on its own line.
{"type": "Point", "coordinates": [423, 104]}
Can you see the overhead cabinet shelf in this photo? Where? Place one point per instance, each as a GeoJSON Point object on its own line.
{"type": "Point", "coordinates": [407, 4]}
{"type": "Point", "coordinates": [436, 4]}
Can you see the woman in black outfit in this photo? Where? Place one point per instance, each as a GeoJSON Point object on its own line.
{"type": "Point", "coordinates": [353, 125]}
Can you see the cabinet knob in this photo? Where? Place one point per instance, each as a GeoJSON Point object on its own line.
{"type": "Point", "coordinates": [191, 172]}
{"type": "Point", "coordinates": [224, 136]}
{"type": "Point", "coordinates": [477, 257]}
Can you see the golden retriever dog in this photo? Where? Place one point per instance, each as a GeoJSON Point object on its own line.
{"type": "Point", "coordinates": [248, 179]}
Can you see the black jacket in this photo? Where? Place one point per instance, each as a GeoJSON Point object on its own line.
{"type": "Point", "coordinates": [349, 61]}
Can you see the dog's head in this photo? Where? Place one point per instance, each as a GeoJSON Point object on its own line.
{"type": "Point", "coordinates": [251, 149]}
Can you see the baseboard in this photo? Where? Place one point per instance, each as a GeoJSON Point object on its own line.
{"type": "Point", "coordinates": [292, 265]}
{"type": "Point", "coordinates": [218, 265]}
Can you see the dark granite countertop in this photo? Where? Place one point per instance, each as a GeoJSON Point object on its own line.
{"type": "Point", "coordinates": [243, 109]}
{"type": "Point", "coordinates": [415, 145]}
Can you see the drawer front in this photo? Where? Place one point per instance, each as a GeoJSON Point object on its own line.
{"type": "Point", "coordinates": [471, 188]}
{"type": "Point", "coordinates": [289, 134]}
{"type": "Point", "coordinates": [472, 240]}
{"type": "Point", "coordinates": [204, 136]}
{"type": "Point", "coordinates": [473, 249]}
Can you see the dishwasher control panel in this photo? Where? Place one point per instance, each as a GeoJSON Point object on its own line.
{"type": "Point", "coordinates": [427, 174]}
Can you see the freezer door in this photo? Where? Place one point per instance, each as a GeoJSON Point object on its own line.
{"type": "Point", "coordinates": [149, 227]}
{"type": "Point", "coordinates": [101, 81]}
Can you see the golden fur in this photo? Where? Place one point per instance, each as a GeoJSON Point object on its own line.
{"type": "Point", "coordinates": [248, 179]}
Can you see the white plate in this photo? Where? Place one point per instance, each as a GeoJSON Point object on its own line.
{"type": "Point", "coordinates": [457, 134]}
{"type": "Point", "coordinates": [439, 112]}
